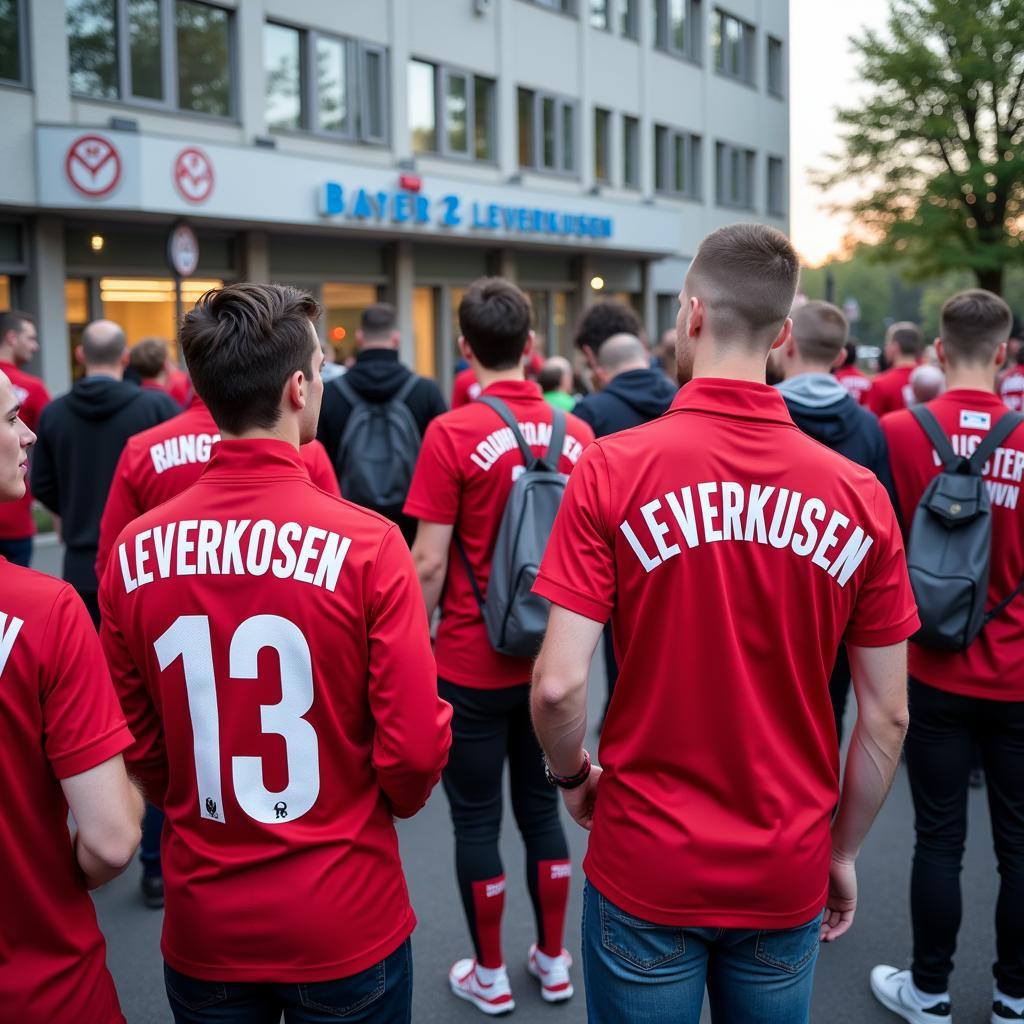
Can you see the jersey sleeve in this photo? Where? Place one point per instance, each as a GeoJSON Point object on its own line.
{"type": "Point", "coordinates": [578, 569]}
{"type": "Point", "coordinates": [885, 611]}
{"type": "Point", "coordinates": [436, 487]}
{"type": "Point", "coordinates": [321, 472]}
{"type": "Point", "coordinates": [83, 724]}
{"type": "Point", "coordinates": [413, 724]}
{"type": "Point", "coordinates": [123, 505]}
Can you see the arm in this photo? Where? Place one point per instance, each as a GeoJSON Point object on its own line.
{"type": "Point", "coordinates": [880, 683]}
{"type": "Point", "coordinates": [558, 702]}
{"type": "Point", "coordinates": [430, 557]}
{"type": "Point", "coordinates": [107, 809]}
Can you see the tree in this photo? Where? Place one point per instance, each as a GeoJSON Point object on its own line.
{"type": "Point", "coordinates": [938, 140]}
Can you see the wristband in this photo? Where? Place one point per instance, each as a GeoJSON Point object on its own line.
{"type": "Point", "coordinates": [569, 781]}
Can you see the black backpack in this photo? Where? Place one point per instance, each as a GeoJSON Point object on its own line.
{"type": "Point", "coordinates": [378, 449]}
{"type": "Point", "coordinates": [950, 544]}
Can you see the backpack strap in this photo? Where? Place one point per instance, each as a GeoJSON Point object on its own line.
{"type": "Point", "coordinates": [406, 389]}
{"type": "Point", "coordinates": [469, 572]}
{"type": "Point", "coordinates": [558, 428]}
{"type": "Point", "coordinates": [510, 421]}
{"type": "Point", "coordinates": [951, 462]}
{"type": "Point", "coordinates": [1000, 431]}
{"type": "Point", "coordinates": [348, 392]}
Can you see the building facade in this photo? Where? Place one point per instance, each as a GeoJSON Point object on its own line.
{"type": "Point", "coordinates": [394, 150]}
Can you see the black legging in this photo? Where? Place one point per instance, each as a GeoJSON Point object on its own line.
{"type": "Point", "coordinates": [489, 726]}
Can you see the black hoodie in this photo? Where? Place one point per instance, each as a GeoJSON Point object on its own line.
{"type": "Point", "coordinates": [81, 436]}
{"type": "Point", "coordinates": [631, 398]}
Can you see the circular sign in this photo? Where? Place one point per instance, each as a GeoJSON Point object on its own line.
{"type": "Point", "coordinates": [93, 166]}
{"type": "Point", "coordinates": [183, 250]}
{"type": "Point", "coordinates": [193, 175]}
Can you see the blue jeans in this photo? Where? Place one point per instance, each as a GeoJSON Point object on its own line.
{"type": "Point", "coordinates": [639, 971]}
{"type": "Point", "coordinates": [17, 550]}
{"type": "Point", "coordinates": [381, 994]}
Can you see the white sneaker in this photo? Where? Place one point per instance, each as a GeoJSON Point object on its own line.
{"type": "Point", "coordinates": [553, 975]}
{"type": "Point", "coordinates": [892, 988]}
{"type": "Point", "coordinates": [1001, 1013]}
{"type": "Point", "coordinates": [491, 999]}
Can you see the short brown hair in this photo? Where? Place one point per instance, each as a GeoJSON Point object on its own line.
{"type": "Point", "coordinates": [819, 331]}
{"type": "Point", "coordinates": [148, 357]}
{"type": "Point", "coordinates": [14, 320]}
{"type": "Point", "coordinates": [494, 317]}
{"type": "Point", "coordinates": [378, 321]}
{"type": "Point", "coordinates": [242, 343]}
{"type": "Point", "coordinates": [907, 337]}
{"type": "Point", "coordinates": [746, 275]}
{"type": "Point", "coordinates": [973, 324]}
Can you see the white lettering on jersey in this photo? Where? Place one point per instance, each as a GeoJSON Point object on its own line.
{"type": "Point", "coordinates": [182, 450]}
{"type": "Point", "coordinates": [9, 629]}
{"type": "Point", "coordinates": [1006, 467]}
{"type": "Point", "coordinates": [762, 514]}
{"type": "Point", "coordinates": [536, 435]}
{"type": "Point", "coordinates": [238, 547]}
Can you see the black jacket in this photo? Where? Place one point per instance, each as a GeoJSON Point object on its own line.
{"type": "Point", "coordinates": [81, 436]}
{"type": "Point", "coordinates": [377, 376]}
{"type": "Point", "coordinates": [631, 398]}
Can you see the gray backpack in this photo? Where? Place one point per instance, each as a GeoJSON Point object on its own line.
{"type": "Point", "coordinates": [515, 617]}
{"type": "Point", "coordinates": [378, 449]}
{"type": "Point", "coordinates": [951, 540]}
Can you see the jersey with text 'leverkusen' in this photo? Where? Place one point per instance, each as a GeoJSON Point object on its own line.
{"type": "Point", "coordinates": [992, 667]}
{"type": "Point", "coordinates": [160, 462]}
{"type": "Point", "coordinates": [733, 553]}
{"type": "Point", "coordinates": [467, 465]}
{"type": "Point", "coordinates": [270, 647]}
{"type": "Point", "coordinates": [59, 717]}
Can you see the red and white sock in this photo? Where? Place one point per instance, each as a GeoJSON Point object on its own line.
{"type": "Point", "coordinates": [553, 878]}
{"type": "Point", "coordinates": [488, 906]}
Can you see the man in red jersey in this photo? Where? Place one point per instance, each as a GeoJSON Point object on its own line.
{"type": "Point", "coordinates": [271, 652]}
{"type": "Point", "coordinates": [18, 344]}
{"type": "Point", "coordinates": [465, 472]}
{"type": "Point", "coordinates": [857, 383]}
{"type": "Point", "coordinates": [61, 736]}
{"type": "Point", "coordinates": [712, 537]}
{"type": "Point", "coordinates": [465, 388]}
{"type": "Point", "coordinates": [968, 700]}
{"type": "Point", "coordinates": [1011, 384]}
{"type": "Point", "coordinates": [890, 390]}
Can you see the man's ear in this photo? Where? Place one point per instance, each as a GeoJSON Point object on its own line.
{"type": "Point", "coordinates": [591, 358]}
{"type": "Point", "coordinates": [296, 390]}
{"type": "Point", "coordinates": [695, 321]}
{"type": "Point", "coordinates": [531, 340]}
{"type": "Point", "coordinates": [839, 359]}
{"type": "Point", "coordinates": [79, 355]}
{"type": "Point", "coordinates": [1001, 354]}
{"type": "Point", "coordinates": [940, 353]}
{"type": "Point", "coordinates": [467, 352]}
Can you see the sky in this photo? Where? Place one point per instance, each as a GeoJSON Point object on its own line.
{"type": "Point", "coordinates": [823, 75]}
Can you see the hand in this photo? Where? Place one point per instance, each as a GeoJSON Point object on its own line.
{"type": "Point", "coordinates": [841, 904]}
{"type": "Point", "coordinates": [580, 801]}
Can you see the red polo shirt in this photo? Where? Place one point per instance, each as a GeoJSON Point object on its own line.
{"type": "Point", "coordinates": [16, 516]}
{"type": "Point", "coordinates": [59, 717]}
{"type": "Point", "coordinates": [733, 554]}
{"type": "Point", "coordinates": [465, 388]}
{"type": "Point", "coordinates": [992, 667]}
{"type": "Point", "coordinates": [891, 391]}
{"type": "Point", "coordinates": [1011, 388]}
{"type": "Point", "coordinates": [856, 383]}
{"type": "Point", "coordinates": [465, 471]}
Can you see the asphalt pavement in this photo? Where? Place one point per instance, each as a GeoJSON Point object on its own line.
{"type": "Point", "coordinates": [881, 932]}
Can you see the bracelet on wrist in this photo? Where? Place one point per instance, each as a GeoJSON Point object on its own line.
{"type": "Point", "coordinates": [569, 781]}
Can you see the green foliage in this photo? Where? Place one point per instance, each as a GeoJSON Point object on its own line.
{"type": "Point", "coordinates": [939, 138]}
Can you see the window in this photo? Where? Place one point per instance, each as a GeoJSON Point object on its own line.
{"type": "Point", "coordinates": [11, 31]}
{"type": "Point", "coordinates": [776, 186]}
{"type": "Point", "coordinates": [735, 176]}
{"type": "Point", "coordinates": [630, 152]}
{"type": "Point", "coordinates": [174, 53]}
{"type": "Point", "coordinates": [602, 145]}
{"type": "Point", "coordinates": [547, 132]}
{"type": "Point", "coordinates": [600, 16]}
{"type": "Point", "coordinates": [332, 85]}
{"type": "Point", "coordinates": [565, 6]}
{"type": "Point", "coordinates": [677, 27]}
{"type": "Point", "coordinates": [615, 15]}
{"type": "Point", "coordinates": [676, 162]}
{"type": "Point", "coordinates": [282, 55]}
{"type": "Point", "coordinates": [460, 102]}
{"type": "Point", "coordinates": [733, 45]}
{"type": "Point", "coordinates": [629, 22]}
{"type": "Point", "coordinates": [776, 68]}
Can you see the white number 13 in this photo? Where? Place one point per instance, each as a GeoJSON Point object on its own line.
{"type": "Point", "coordinates": [189, 639]}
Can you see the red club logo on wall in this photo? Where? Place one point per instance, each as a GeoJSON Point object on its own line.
{"type": "Point", "coordinates": [93, 166]}
{"type": "Point", "coordinates": [193, 175]}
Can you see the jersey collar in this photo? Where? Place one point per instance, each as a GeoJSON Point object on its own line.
{"type": "Point", "coordinates": [741, 399]}
{"type": "Point", "coordinates": [971, 396]}
{"type": "Point", "coordinates": [262, 458]}
{"type": "Point", "coordinates": [514, 389]}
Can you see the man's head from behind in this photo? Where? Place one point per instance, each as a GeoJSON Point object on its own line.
{"type": "Point", "coordinates": [378, 327]}
{"type": "Point", "coordinates": [254, 358]}
{"type": "Point", "coordinates": [974, 327]}
{"type": "Point", "coordinates": [18, 339]}
{"type": "Point", "coordinates": [149, 358]}
{"type": "Point", "coordinates": [103, 348]}
{"type": "Point", "coordinates": [556, 375]}
{"type": "Point", "coordinates": [494, 318]}
{"type": "Point", "coordinates": [737, 297]}
{"type": "Point", "coordinates": [601, 321]}
{"type": "Point", "coordinates": [619, 354]}
{"type": "Point", "coordinates": [903, 342]}
{"type": "Point", "coordinates": [817, 342]}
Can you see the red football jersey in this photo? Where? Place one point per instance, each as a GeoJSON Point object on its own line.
{"type": "Point", "coordinates": [59, 717]}
{"type": "Point", "coordinates": [270, 647]}
{"type": "Point", "coordinates": [1011, 388]}
{"type": "Point", "coordinates": [467, 464]}
{"type": "Point", "coordinates": [465, 388]}
{"type": "Point", "coordinates": [732, 554]}
{"type": "Point", "coordinates": [891, 391]}
{"type": "Point", "coordinates": [158, 463]}
{"type": "Point", "coordinates": [16, 516]}
{"type": "Point", "coordinates": [992, 666]}
{"type": "Point", "coordinates": [856, 383]}
{"type": "Point", "coordinates": [179, 387]}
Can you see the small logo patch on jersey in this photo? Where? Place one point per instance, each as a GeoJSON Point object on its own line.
{"type": "Point", "coordinates": [211, 807]}
{"type": "Point", "coordinates": [975, 420]}
{"type": "Point", "coordinates": [281, 809]}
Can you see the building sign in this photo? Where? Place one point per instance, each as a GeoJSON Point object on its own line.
{"type": "Point", "coordinates": [183, 250]}
{"type": "Point", "coordinates": [453, 211]}
{"type": "Point", "coordinates": [193, 175]}
{"type": "Point", "coordinates": [93, 166]}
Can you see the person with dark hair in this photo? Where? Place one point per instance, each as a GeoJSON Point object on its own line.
{"type": "Point", "coordinates": [599, 322]}
{"type": "Point", "coordinates": [467, 466]}
{"type": "Point", "coordinates": [963, 701]}
{"type": "Point", "coordinates": [285, 892]}
{"type": "Point", "coordinates": [712, 536]}
{"type": "Point", "coordinates": [18, 344]}
{"type": "Point", "coordinates": [890, 390]}
{"type": "Point", "coordinates": [856, 382]}
{"type": "Point", "coordinates": [151, 363]}
{"type": "Point", "coordinates": [378, 379]}
{"type": "Point", "coordinates": [555, 382]}
{"type": "Point", "coordinates": [81, 436]}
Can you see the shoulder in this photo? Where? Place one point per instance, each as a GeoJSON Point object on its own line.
{"type": "Point", "coordinates": [31, 592]}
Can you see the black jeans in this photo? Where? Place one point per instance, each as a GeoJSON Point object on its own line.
{"type": "Point", "coordinates": [381, 994]}
{"type": "Point", "coordinates": [944, 730]}
{"type": "Point", "coordinates": [17, 550]}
